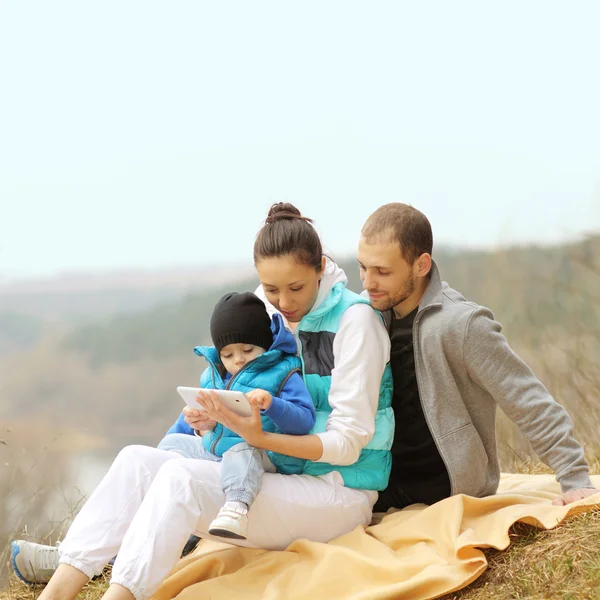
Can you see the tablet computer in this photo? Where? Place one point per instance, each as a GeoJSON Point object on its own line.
{"type": "Point", "coordinates": [235, 401]}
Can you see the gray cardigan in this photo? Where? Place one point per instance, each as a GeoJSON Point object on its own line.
{"type": "Point", "coordinates": [464, 368]}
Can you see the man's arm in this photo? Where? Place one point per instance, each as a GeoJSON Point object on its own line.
{"type": "Point", "coordinates": [495, 367]}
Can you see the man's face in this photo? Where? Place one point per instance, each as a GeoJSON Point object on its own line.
{"type": "Point", "coordinates": [384, 273]}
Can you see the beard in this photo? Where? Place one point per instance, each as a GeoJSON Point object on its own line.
{"type": "Point", "coordinates": [390, 300]}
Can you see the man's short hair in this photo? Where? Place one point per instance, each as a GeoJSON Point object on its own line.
{"type": "Point", "coordinates": [402, 223]}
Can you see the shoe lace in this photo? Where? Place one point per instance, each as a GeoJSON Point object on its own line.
{"type": "Point", "coordinates": [46, 558]}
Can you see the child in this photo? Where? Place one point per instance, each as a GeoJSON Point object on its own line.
{"type": "Point", "coordinates": [257, 356]}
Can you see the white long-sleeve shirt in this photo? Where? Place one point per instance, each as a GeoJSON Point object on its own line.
{"type": "Point", "coordinates": [361, 350]}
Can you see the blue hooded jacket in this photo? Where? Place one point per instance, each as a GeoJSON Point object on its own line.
{"type": "Point", "coordinates": [277, 371]}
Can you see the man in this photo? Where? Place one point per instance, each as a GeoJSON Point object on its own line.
{"type": "Point", "coordinates": [451, 368]}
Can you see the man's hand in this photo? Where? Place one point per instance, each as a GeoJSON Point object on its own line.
{"type": "Point", "coordinates": [574, 495]}
{"type": "Point", "coordinates": [260, 398]}
{"type": "Point", "coordinates": [198, 419]}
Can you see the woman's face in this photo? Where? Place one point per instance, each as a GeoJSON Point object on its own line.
{"type": "Point", "coordinates": [289, 286]}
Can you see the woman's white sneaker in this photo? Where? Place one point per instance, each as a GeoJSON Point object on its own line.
{"type": "Point", "coordinates": [33, 563]}
{"type": "Point", "coordinates": [231, 522]}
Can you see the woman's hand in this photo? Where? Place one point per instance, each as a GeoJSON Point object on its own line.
{"type": "Point", "coordinates": [248, 428]}
{"type": "Point", "coordinates": [198, 419]}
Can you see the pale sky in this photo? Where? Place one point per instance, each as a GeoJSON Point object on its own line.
{"type": "Point", "coordinates": [152, 134]}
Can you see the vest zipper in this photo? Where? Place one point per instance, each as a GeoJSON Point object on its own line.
{"type": "Point", "coordinates": [216, 440]}
{"type": "Point", "coordinates": [299, 344]}
{"type": "Point", "coordinates": [230, 382]}
{"type": "Point", "coordinates": [300, 354]}
{"type": "Point", "coordinates": [227, 387]}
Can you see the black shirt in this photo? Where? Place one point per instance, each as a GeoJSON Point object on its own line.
{"type": "Point", "coordinates": [418, 471]}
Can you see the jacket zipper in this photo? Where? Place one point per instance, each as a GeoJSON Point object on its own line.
{"type": "Point", "coordinates": [419, 387]}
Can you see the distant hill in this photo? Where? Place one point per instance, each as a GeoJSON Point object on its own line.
{"type": "Point", "coordinates": [529, 288]}
{"type": "Point", "coordinates": [29, 308]}
{"type": "Point", "coordinates": [19, 331]}
{"type": "Point", "coordinates": [169, 330]}
{"type": "Point", "coordinates": [79, 296]}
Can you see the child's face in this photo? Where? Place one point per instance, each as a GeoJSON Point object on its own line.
{"type": "Point", "coordinates": [235, 356]}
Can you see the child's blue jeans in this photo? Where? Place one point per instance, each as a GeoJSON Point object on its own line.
{"type": "Point", "coordinates": [242, 466]}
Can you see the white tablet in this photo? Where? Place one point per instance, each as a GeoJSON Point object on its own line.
{"type": "Point", "coordinates": [235, 401]}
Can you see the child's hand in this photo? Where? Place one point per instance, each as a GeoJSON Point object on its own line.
{"type": "Point", "coordinates": [207, 427]}
{"type": "Point", "coordinates": [197, 419]}
{"type": "Point", "coordinates": [260, 398]}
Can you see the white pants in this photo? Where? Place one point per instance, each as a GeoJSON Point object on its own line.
{"type": "Point", "coordinates": [150, 501]}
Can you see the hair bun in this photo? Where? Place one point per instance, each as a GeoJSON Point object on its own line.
{"type": "Point", "coordinates": [287, 233]}
{"type": "Point", "coordinates": [284, 210]}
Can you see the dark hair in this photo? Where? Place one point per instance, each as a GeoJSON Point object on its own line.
{"type": "Point", "coordinates": [285, 232]}
{"type": "Point", "coordinates": [400, 223]}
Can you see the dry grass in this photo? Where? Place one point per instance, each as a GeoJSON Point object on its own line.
{"type": "Point", "coordinates": [17, 590]}
{"type": "Point", "coordinates": [561, 564]}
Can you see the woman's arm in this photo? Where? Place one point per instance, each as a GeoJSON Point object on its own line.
{"type": "Point", "coordinates": [250, 429]}
{"type": "Point", "coordinates": [361, 351]}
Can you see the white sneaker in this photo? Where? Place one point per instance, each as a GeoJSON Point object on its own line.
{"type": "Point", "coordinates": [33, 563]}
{"type": "Point", "coordinates": [231, 522]}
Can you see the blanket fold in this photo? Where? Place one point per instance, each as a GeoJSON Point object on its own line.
{"type": "Point", "coordinates": [421, 552]}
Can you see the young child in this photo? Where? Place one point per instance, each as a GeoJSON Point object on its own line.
{"type": "Point", "coordinates": [257, 356]}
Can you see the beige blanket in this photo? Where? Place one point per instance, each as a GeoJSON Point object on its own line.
{"type": "Point", "coordinates": [418, 553]}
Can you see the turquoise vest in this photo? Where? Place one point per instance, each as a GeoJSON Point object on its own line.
{"type": "Point", "coordinates": [316, 332]}
{"type": "Point", "coordinates": [269, 372]}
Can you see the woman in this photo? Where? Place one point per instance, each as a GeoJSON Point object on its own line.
{"type": "Point", "coordinates": [150, 500]}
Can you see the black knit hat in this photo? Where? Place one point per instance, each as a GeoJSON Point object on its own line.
{"type": "Point", "coordinates": [240, 319]}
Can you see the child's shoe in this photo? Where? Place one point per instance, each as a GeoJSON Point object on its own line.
{"type": "Point", "coordinates": [231, 522]}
